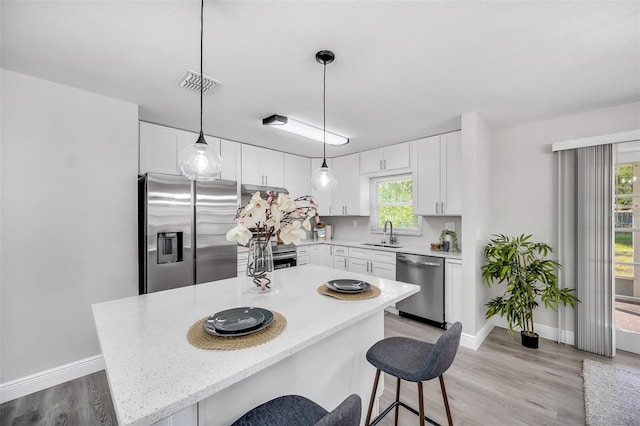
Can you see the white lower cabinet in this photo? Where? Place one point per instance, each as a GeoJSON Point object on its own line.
{"type": "Point", "coordinates": [186, 417]}
{"type": "Point", "coordinates": [452, 290]}
{"type": "Point", "coordinates": [321, 254]}
{"type": "Point", "coordinates": [341, 258]}
{"type": "Point", "coordinates": [302, 255]}
{"type": "Point", "coordinates": [376, 263]}
{"type": "Point", "coordinates": [243, 256]}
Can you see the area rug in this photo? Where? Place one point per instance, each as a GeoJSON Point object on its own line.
{"type": "Point", "coordinates": [611, 394]}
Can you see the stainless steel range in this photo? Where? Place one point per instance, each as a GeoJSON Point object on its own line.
{"type": "Point", "coordinates": [284, 256]}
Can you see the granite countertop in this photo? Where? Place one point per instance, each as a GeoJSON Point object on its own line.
{"type": "Point", "coordinates": [154, 372]}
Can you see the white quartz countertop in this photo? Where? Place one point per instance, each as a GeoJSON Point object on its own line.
{"type": "Point", "coordinates": [154, 372]}
{"type": "Point", "coordinates": [408, 248]}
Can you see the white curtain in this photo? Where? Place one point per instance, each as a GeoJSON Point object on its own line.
{"type": "Point", "coordinates": [586, 242]}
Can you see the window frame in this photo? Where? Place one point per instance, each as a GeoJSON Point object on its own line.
{"type": "Point", "coordinates": [375, 211]}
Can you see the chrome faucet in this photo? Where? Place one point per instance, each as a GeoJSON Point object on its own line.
{"type": "Point", "coordinates": [392, 238]}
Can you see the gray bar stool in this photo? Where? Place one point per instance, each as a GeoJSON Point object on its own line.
{"type": "Point", "coordinates": [414, 361]}
{"type": "Point", "coordinates": [292, 410]}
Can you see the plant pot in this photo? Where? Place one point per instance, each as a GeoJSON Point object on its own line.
{"type": "Point", "coordinates": [529, 341]}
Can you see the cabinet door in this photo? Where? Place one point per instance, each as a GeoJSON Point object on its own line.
{"type": "Point", "coordinates": [231, 160]}
{"type": "Point", "coordinates": [327, 255]}
{"type": "Point", "coordinates": [251, 173]}
{"type": "Point", "coordinates": [371, 161]}
{"type": "Point", "coordinates": [383, 270]}
{"type": "Point", "coordinates": [323, 198]}
{"type": "Point", "coordinates": [346, 200]}
{"type": "Point", "coordinates": [451, 190]}
{"type": "Point", "coordinates": [297, 175]}
{"type": "Point", "coordinates": [341, 263]}
{"type": "Point", "coordinates": [427, 184]}
{"type": "Point", "coordinates": [397, 157]}
{"type": "Point", "coordinates": [160, 147]}
{"type": "Point", "coordinates": [272, 167]}
{"type": "Point", "coordinates": [452, 290]}
{"type": "Point", "coordinates": [360, 266]}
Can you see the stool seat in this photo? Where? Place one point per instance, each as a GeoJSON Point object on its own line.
{"type": "Point", "coordinates": [402, 357]}
{"type": "Point", "coordinates": [291, 410]}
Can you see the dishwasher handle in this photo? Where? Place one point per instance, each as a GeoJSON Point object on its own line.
{"type": "Point", "coordinates": [415, 262]}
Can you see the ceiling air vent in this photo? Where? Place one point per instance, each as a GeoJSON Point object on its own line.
{"type": "Point", "coordinates": [191, 81]}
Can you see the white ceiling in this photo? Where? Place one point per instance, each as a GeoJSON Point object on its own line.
{"type": "Point", "coordinates": [403, 69]}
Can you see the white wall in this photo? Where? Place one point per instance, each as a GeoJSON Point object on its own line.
{"type": "Point", "coordinates": [69, 230]}
{"type": "Point", "coordinates": [524, 176]}
{"type": "Point", "coordinates": [475, 216]}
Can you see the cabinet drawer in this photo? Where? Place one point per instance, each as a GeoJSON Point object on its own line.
{"type": "Point", "coordinates": [340, 251]}
{"type": "Point", "coordinates": [383, 256]}
{"type": "Point", "coordinates": [303, 251]}
{"type": "Point", "coordinates": [358, 253]}
{"type": "Point", "coordinates": [373, 255]}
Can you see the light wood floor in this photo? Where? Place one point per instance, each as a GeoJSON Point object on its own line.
{"type": "Point", "coordinates": [81, 402]}
{"type": "Point", "coordinates": [502, 383]}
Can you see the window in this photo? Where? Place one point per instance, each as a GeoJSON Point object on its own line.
{"type": "Point", "coordinates": [392, 199]}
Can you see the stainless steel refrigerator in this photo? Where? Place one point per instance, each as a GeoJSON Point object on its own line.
{"type": "Point", "coordinates": [181, 231]}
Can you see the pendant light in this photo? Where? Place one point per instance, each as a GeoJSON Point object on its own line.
{"type": "Point", "coordinates": [324, 179]}
{"type": "Point", "coordinates": [200, 161]}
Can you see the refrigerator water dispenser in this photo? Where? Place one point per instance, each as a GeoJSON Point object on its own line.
{"type": "Point", "coordinates": [169, 247]}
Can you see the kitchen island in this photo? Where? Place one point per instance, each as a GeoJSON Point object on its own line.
{"type": "Point", "coordinates": [154, 372]}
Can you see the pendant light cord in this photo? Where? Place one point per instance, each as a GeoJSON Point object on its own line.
{"type": "Point", "coordinates": [201, 49]}
{"type": "Point", "coordinates": [324, 114]}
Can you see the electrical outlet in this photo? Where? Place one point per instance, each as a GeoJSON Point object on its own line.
{"type": "Point", "coordinates": [355, 223]}
{"type": "Point", "coordinates": [450, 226]}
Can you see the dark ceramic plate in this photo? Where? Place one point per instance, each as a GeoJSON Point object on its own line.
{"type": "Point", "coordinates": [238, 321]}
{"type": "Point", "coordinates": [348, 286]}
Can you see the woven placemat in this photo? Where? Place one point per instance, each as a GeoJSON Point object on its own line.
{"type": "Point", "coordinates": [203, 340]}
{"type": "Point", "coordinates": [369, 294]}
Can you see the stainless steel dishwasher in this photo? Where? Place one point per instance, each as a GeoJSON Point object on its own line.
{"type": "Point", "coordinates": [427, 272]}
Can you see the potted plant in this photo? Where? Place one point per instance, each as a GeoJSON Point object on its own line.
{"type": "Point", "coordinates": [521, 264]}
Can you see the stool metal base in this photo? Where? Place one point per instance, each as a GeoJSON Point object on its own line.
{"type": "Point", "coordinates": [401, 404]}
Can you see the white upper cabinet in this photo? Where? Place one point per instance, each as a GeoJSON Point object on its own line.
{"type": "Point", "coordinates": [160, 148]}
{"type": "Point", "coordinates": [389, 158]}
{"type": "Point", "coordinates": [297, 175]}
{"type": "Point", "coordinates": [347, 196]}
{"type": "Point", "coordinates": [437, 187]}
{"type": "Point", "coordinates": [262, 166]}
{"type": "Point", "coordinates": [231, 160]}
{"type": "Point", "coordinates": [323, 198]}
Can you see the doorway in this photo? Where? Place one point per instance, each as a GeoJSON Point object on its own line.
{"type": "Point", "coordinates": [627, 247]}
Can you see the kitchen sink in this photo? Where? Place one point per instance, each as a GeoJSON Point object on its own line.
{"type": "Point", "coordinates": [382, 245]}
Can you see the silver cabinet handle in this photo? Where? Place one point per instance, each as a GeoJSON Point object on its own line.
{"type": "Point", "coordinates": [331, 250]}
{"type": "Point", "coordinates": [329, 210]}
{"type": "Point", "coordinates": [380, 165]}
{"type": "Point", "coordinates": [266, 180]}
{"type": "Point", "coordinates": [437, 208]}
{"type": "Point", "coordinates": [385, 164]}
{"type": "Point", "coordinates": [345, 210]}
{"type": "Point", "coordinates": [442, 207]}
{"type": "Point", "coordinates": [345, 263]}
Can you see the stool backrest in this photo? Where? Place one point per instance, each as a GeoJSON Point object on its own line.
{"type": "Point", "coordinates": [443, 353]}
{"type": "Point", "coordinates": [346, 414]}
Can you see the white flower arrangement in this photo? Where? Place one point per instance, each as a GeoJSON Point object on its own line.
{"type": "Point", "coordinates": [278, 212]}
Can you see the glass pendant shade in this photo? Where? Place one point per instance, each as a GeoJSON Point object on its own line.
{"type": "Point", "coordinates": [324, 179]}
{"type": "Point", "coordinates": [200, 161]}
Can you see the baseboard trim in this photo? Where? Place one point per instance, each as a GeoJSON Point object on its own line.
{"type": "Point", "coordinates": [545, 331]}
{"type": "Point", "coordinates": [475, 341]}
{"type": "Point", "coordinates": [45, 379]}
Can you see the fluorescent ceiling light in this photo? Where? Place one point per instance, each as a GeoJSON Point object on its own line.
{"type": "Point", "coordinates": [303, 129]}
